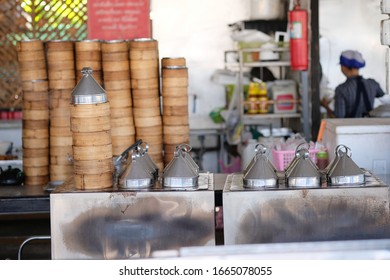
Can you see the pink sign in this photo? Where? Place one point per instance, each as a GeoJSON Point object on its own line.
{"type": "Point", "coordinates": [118, 19]}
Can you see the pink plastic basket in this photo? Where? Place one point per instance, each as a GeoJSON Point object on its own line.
{"type": "Point", "coordinates": [282, 159]}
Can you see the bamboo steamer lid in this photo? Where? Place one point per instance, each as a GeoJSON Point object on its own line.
{"type": "Point", "coordinates": [35, 152]}
{"type": "Point", "coordinates": [35, 124]}
{"type": "Point", "coordinates": [29, 45]}
{"type": "Point", "coordinates": [144, 83]}
{"type": "Point", "coordinates": [113, 46]}
{"type": "Point", "coordinates": [147, 121]}
{"type": "Point", "coordinates": [117, 85]}
{"type": "Point", "coordinates": [59, 45]}
{"type": "Point", "coordinates": [152, 130]}
{"type": "Point", "coordinates": [94, 181]}
{"type": "Point", "coordinates": [35, 85]}
{"type": "Point", "coordinates": [116, 75]}
{"type": "Point", "coordinates": [93, 166]}
{"type": "Point", "coordinates": [144, 54]}
{"type": "Point", "coordinates": [35, 143]}
{"type": "Point", "coordinates": [35, 105]}
{"type": "Point", "coordinates": [175, 101]}
{"type": "Point", "coordinates": [175, 110]}
{"type": "Point", "coordinates": [143, 43]}
{"type": "Point", "coordinates": [92, 152]}
{"type": "Point", "coordinates": [35, 133]}
{"type": "Point", "coordinates": [173, 61]}
{"type": "Point", "coordinates": [88, 45]}
{"type": "Point", "coordinates": [142, 74]}
{"type": "Point", "coordinates": [146, 112]}
{"type": "Point", "coordinates": [175, 120]}
{"type": "Point", "coordinates": [146, 102]}
{"type": "Point", "coordinates": [36, 96]}
{"type": "Point", "coordinates": [35, 161]}
{"type": "Point", "coordinates": [36, 180]}
{"type": "Point", "coordinates": [36, 170]}
{"type": "Point", "coordinates": [97, 138]}
{"type": "Point", "coordinates": [145, 93]}
{"type": "Point", "coordinates": [36, 74]}
{"type": "Point", "coordinates": [176, 129]}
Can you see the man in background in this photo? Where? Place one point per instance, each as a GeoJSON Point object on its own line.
{"type": "Point", "coordinates": [355, 97]}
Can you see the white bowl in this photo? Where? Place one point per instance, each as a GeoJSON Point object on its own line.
{"type": "Point", "coordinates": [4, 146]}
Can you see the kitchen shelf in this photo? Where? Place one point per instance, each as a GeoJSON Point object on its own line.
{"type": "Point", "coordinates": [248, 119]}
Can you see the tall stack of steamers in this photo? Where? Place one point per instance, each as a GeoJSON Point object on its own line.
{"type": "Point", "coordinates": [66, 134]}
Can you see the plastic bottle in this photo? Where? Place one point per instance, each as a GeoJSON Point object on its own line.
{"type": "Point", "coordinates": [322, 159]}
{"type": "Point", "coordinates": [253, 98]}
{"type": "Point", "coordinates": [263, 98]}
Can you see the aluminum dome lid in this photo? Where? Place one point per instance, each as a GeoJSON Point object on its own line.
{"type": "Point", "coordinates": [260, 172]}
{"type": "Point", "coordinates": [343, 170]}
{"type": "Point", "coordinates": [87, 90]}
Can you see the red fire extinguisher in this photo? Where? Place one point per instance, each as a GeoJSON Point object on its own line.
{"type": "Point", "coordinates": [298, 20]}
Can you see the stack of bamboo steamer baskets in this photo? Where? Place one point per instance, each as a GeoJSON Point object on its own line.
{"type": "Point", "coordinates": [144, 73]}
{"type": "Point", "coordinates": [116, 75]}
{"type": "Point", "coordinates": [91, 134]}
{"type": "Point", "coordinates": [62, 80]}
{"type": "Point", "coordinates": [88, 54]}
{"type": "Point", "coordinates": [174, 91]}
{"type": "Point", "coordinates": [35, 130]}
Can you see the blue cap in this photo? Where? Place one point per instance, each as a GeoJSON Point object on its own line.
{"type": "Point", "coordinates": [352, 59]}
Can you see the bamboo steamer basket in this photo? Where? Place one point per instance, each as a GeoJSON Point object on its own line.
{"type": "Point", "coordinates": [35, 143]}
{"type": "Point", "coordinates": [64, 65]}
{"type": "Point", "coordinates": [121, 143]}
{"type": "Point", "coordinates": [146, 102]}
{"type": "Point", "coordinates": [61, 172]}
{"type": "Point", "coordinates": [175, 110]}
{"type": "Point", "coordinates": [60, 122]}
{"type": "Point", "coordinates": [59, 112]}
{"type": "Point", "coordinates": [67, 74]}
{"type": "Point", "coordinates": [35, 105]}
{"type": "Point", "coordinates": [146, 112]}
{"type": "Point", "coordinates": [36, 171]}
{"type": "Point", "coordinates": [173, 61]}
{"type": "Point", "coordinates": [99, 110]}
{"type": "Point", "coordinates": [121, 65]}
{"type": "Point", "coordinates": [122, 131]}
{"type": "Point", "coordinates": [176, 130]}
{"type": "Point", "coordinates": [174, 72]}
{"type": "Point", "coordinates": [99, 138]}
{"type": "Point", "coordinates": [145, 93]}
{"type": "Point", "coordinates": [61, 151]}
{"type": "Point", "coordinates": [175, 120]}
{"type": "Point", "coordinates": [177, 138]}
{"type": "Point", "coordinates": [37, 152]}
{"type": "Point", "coordinates": [117, 85]}
{"type": "Point", "coordinates": [36, 180]}
{"type": "Point", "coordinates": [115, 56]}
{"type": "Point", "coordinates": [90, 124]}
{"type": "Point", "coordinates": [172, 82]}
{"type": "Point", "coordinates": [93, 166]}
{"type": "Point", "coordinates": [94, 64]}
{"type": "Point", "coordinates": [59, 105]}
{"type": "Point", "coordinates": [35, 86]}
{"type": "Point", "coordinates": [127, 121]}
{"type": "Point", "coordinates": [122, 112]}
{"type": "Point", "coordinates": [60, 161]}
{"type": "Point", "coordinates": [88, 56]}
{"type": "Point", "coordinates": [142, 74]}
{"type": "Point", "coordinates": [88, 46]}
{"type": "Point", "coordinates": [93, 181]}
{"type": "Point", "coordinates": [35, 124]}
{"type": "Point", "coordinates": [144, 54]}
{"type": "Point", "coordinates": [60, 57]}
{"type": "Point", "coordinates": [152, 139]}
{"type": "Point", "coordinates": [144, 83]}
{"type": "Point", "coordinates": [152, 130]}
{"type": "Point", "coordinates": [62, 141]}
{"type": "Point", "coordinates": [58, 131]}
{"type": "Point", "coordinates": [119, 98]}
{"type": "Point", "coordinates": [27, 56]}
{"type": "Point", "coordinates": [62, 84]}
{"type": "Point", "coordinates": [34, 64]}
{"type": "Point", "coordinates": [35, 161]}
{"type": "Point", "coordinates": [36, 96]}
{"type": "Point", "coordinates": [36, 74]}
{"type": "Point", "coordinates": [116, 75]}
{"type": "Point", "coordinates": [92, 152]}
{"type": "Point", "coordinates": [175, 101]}
{"type": "Point", "coordinates": [147, 121]}
{"type": "Point", "coordinates": [35, 133]}
{"type": "Point", "coordinates": [29, 45]}
{"type": "Point", "coordinates": [151, 65]}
